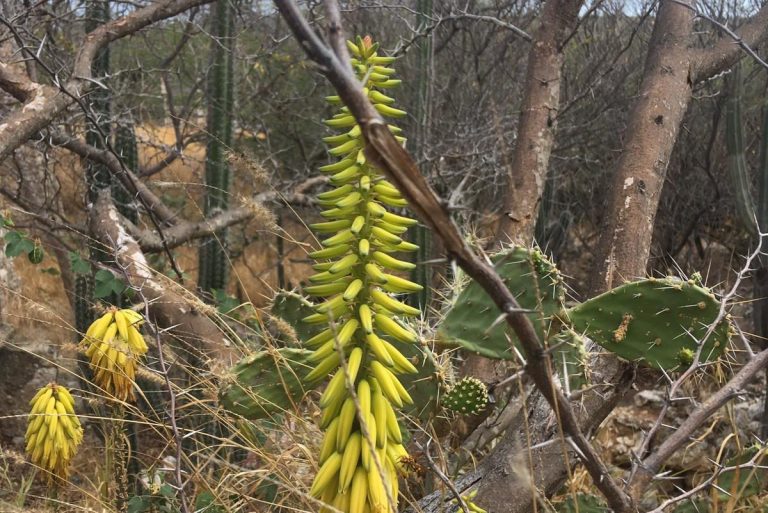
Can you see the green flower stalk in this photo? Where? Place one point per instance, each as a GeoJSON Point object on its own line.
{"type": "Point", "coordinates": [362, 447]}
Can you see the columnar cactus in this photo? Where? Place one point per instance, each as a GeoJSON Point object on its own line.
{"type": "Point", "coordinates": [362, 446]}
{"type": "Point", "coordinates": [126, 147]}
{"type": "Point", "coordinates": [54, 431]}
{"type": "Point", "coordinates": [213, 262]}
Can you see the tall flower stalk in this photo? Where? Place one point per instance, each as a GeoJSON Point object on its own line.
{"type": "Point", "coordinates": [362, 447]}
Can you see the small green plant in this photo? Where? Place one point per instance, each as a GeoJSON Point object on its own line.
{"type": "Point", "coordinates": [657, 322]}
{"type": "Point", "coordinates": [18, 243]}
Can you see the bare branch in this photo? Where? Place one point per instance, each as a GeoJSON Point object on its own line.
{"type": "Point", "coordinates": [694, 420]}
{"type": "Point", "coordinates": [126, 177]}
{"type": "Point", "coordinates": [708, 63]}
{"type": "Point", "coordinates": [186, 231]}
{"type": "Point", "coordinates": [46, 102]}
{"type": "Point", "coordinates": [169, 304]}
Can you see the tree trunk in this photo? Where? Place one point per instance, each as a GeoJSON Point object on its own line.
{"type": "Point", "coordinates": [530, 157]}
{"type": "Point", "coordinates": [513, 475]}
{"type": "Point", "coordinates": [633, 198]}
{"type": "Point", "coordinates": [538, 121]}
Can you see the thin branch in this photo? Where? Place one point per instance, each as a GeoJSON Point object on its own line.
{"type": "Point", "coordinates": [150, 201]}
{"type": "Point", "coordinates": [727, 52]}
{"type": "Point", "coordinates": [44, 102]}
{"type": "Point", "coordinates": [187, 231]}
{"type": "Point", "coordinates": [733, 388]}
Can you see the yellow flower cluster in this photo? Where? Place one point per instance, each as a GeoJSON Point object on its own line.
{"type": "Point", "coordinates": [54, 431]}
{"type": "Point", "coordinates": [362, 447]}
{"type": "Point", "coordinates": [114, 343]}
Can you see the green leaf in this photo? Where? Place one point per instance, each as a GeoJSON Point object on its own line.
{"type": "Point", "coordinates": [225, 303]}
{"type": "Point", "coordinates": [107, 284]}
{"type": "Point", "coordinates": [78, 264]}
{"type": "Point", "coordinates": [167, 491]}
{"type": "Point", "coordinates": [13, 236]}
{"type": "Point", "coordinates": [17, 243]}
{"type": "Point", "coordinates": [138, 504]}
{"type": "Point", "coordinates": [205, 502]}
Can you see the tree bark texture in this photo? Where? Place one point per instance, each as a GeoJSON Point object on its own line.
{"type": "Point", "coordinates": [635, 187]}
{"type": "Point", "coordinates": [538, 121]}
{"type": "Point", "coordinates": [530, 158]}
{"type": "Point", "coordinates": [170, 308]}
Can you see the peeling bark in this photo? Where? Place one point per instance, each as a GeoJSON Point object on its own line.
{"type": "Point", "coordinates": [171, 307]}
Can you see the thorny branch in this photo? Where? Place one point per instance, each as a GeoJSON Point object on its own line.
{"type": "Point", "coordinates": [643, 472]}
{"type": "Point", "coordinates": [399, 167]}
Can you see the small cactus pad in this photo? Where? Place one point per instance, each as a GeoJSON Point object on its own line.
{"type": "Point", "coordinates": [472, 320]}
{"type": "Point", "coordinates": [655, 321]}
{"type": "Point", "coordinates": [266, 383]}
{"type": "Point", "coordinates": [292, 308]}
{"type": "Point", "coordinates": [469, 397]}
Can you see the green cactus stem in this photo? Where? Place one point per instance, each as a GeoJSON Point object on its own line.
{"type": "Point", "coordinates": [468, 397]}
{"type": "Point", "coordinates": [473, 320]}
{"type": "Point", "coordinates": [127, 149]}
{"type": "Point", "coordinates": [213, 261]}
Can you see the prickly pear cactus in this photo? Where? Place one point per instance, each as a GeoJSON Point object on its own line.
{"type": "Point", "coordinates": [570, 358]}
{"type": "Point", "coordinates": [655, 321]}
{"type": "Point", "coordinates": [292, 308]}
{"type": "Point", "coordinates": [469, 397]}
{"type": "Point", "coordinates": [266, 383]}
{"type": "Point", "coordinates": [472, 322]}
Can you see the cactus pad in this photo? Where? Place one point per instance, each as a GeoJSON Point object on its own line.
{"type": "Point", "coordinates": [469, 396]}
{"type": "Point", "coordinates": [266, 383]}
{"type": "Point", "coordinates": [655, 321]}
{"type": "Point", "coordinates": [472, 320]}
{"type": "Point", "coordinates": [292, 308]}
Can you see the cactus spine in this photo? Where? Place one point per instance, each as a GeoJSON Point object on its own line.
{"type": "Point", "coordinates": [363, 445]}
{"type": "Point", "coordinates": [213, 262]}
